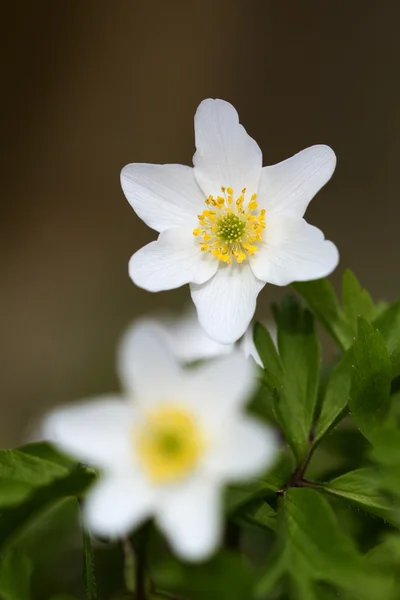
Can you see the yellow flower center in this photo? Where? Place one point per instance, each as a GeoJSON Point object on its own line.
{"type": "Point", "coordinates": [230, 229]}
{"type": "Point", "coordinates": [170, 444]}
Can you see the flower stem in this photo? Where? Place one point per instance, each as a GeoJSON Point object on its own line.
{"type": "Point", "coordinates": [139, 543]}
{"type": "Point", "coordinates": [129, 566]}
{"type": "Point", "coordinates": [89, 574]}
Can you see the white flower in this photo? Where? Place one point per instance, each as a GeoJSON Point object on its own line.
{"type": "Point", "coordinates": [228, 226]}
{"type": "Point", "coordinates": [188, 342]}
{"type": "Point", "coordinates": [184, 336]}
{"type": "Point", "coordinates": [167, 448]}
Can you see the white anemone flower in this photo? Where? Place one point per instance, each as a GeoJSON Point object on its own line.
{"type": "Point", "coordinates": [188, 341]}
{"type": "Point", "coordinates": [168, 446]}
{"type": "Point", "coordinates": [228, 226]}
{"type": "Point", "coordinates": [184, 336]}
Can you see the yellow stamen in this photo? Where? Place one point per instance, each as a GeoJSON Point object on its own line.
{"type": "Point", "coordinates": [231, 230]}
{"type": "Point", "coordinates": [169, 444]}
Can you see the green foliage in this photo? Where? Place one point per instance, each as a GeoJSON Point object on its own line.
{"type": "Point", "coordinates": [388, 324]}
{"type": "Point", "coordinates": [371, 380]}
{"type": "Point", "coordinates": [336, 396]}
{"type": "Point", "coordinates": [322, 523]}
{"type": "Point", "coordinates": [15, 575]}
{"type": "Point", "coordinates": [47, 481]}
{"type": "Point", "coordinates": [339, 321]}
{"type": "Point", "coordinates": [225, 577]}
{"type": "Point", "coordinates": [21, 473]}
{"type": "Point", "coordinates": [327, 553]}
{"type": "Point", "coordinates": [295, 375]}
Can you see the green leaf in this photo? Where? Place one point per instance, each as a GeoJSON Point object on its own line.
{"type": "Point", "coordinates": [273, 573]}
{"type": "Point", "coordinates": [361, 487]}
{"type": "Point", "coordinates": [258, 513]}
{"type": "Point", "coordinates": [224, 577]}
{"type": "Point", "coordinates": [329, 554]}
{"type": "Point", "coordinates": [268, 354]}
{"type": "Point", "coordinates": [21, 473]}
{"type": "Point", "coordinates": [15, 575]}
{"type": "Point", "coordinates": [336, 395]}
{"type": "Point", "coordinates": [322, 300]}
{"type": "Point", "coordinates": [339, 322]}
{"type": "Point", "coordinates": [48, 452]}
{"type": "Point", "coordinates": [369, 400]}
{"type": "Point", "coordinates": [356, 301]}
{"type": "Point", "coordinates": [14, 519]}
{"type": "Point", "coordinates": [388, 324]}
{"type": "Point", "coordinates": [238, 495]}
{"type": "Point", "coordinates": [386, 454]}
{"type": "Point", "coordinates": [300, 356]}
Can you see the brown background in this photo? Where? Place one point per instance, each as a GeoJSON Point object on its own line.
{"type": "Point", "coordinates": [91, 85]}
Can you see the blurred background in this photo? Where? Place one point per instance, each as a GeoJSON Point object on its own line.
{"type": "Point", "coordinates": [91, 85]}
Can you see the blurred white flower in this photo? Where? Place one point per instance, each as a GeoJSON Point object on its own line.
{"type": "Point", "coordinates": [185, 337]}
{"type": "Point", "coordinates": [228, 226]}
{"type": "Point", "coordinates": [188, 342]}
{"type": "Point", "coordinates": [168, 447]}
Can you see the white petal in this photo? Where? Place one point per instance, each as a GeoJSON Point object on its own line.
{"type": "Point", "coordinates": [293, 250]}
{"type": "Point", "coordinates": [146, 365]}
{"type": "Point", "coordinates": [226, 303]}
{"type": "Point", "coordinates": [96, 432]}
{"type": "Point", "coordinates": [226, 155]}
{"type": "Point", "coordinates": [190, 516]}
{"type": "Point", "coordinates": [173, 260]}
{"type": "Point", "coordinates": [190, 342]}
{"type": "Point", "coordinates": [219, 389]}
{"type": "Point", "coordinates": [247, 343]}
{"type": "Point", "coordinates": [163, 196]}
{"type": "Point", "coordinates": [117, 504]}
{"type": "Point", "coordinates": [246, 448]}
{"type": "Point", "coordinates": [248, 346]}
{"type": "Point", "coordinates": [288, 187]}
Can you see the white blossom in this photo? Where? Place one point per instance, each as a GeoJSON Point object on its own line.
{"type": "Point", "coordinates": [228, 226]}
{"type": "Point", "coordinates": [184, 336]}
{"type": "Point", "coordinates": [168, 445]}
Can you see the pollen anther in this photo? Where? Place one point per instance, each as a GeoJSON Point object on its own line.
{"type": "Point", "coordinates": [230, 231]}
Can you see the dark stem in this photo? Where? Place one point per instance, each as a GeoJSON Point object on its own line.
{"type": "Point", "coordinates": [139, 544]}
{"type": "Point", "coordinates": [89, 575]}
{"type": "Point", "coordinates": [129, 565]}
{"type": "Point", "coordinates": [140, 577]}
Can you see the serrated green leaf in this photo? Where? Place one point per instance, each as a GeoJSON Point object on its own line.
{"type": "Point", "coordinates": [369, 400]}
{"type": "Point", "coordinates": [339, 321]}
{"type": "Point", "coordinates": [224, 577]}
{"type": "Point", "coordinates": [15, 575]}
{"type": "Point", "coordinates": [329, 554]}
{"type": "Point", "coordinates": [388, 324]}
{"type": "Point", "coordinates": [322, 300]}
{"type": "Point", "coordinates": [14, 519]}
{"type": "Point", "coordinates": [336, 395]}
{"type": "Point", "coordinates": [361, 487]}
{"type": "Point", "coordinates": [356, 301]}
{"type": "Point", "coordinates": [300, 356]}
